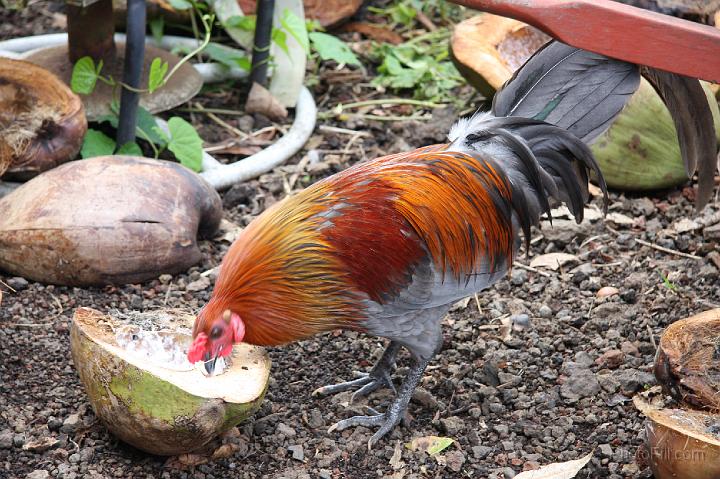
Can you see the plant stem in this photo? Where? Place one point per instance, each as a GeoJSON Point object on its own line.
{"type": "Point", "coordinates": [389, 101]}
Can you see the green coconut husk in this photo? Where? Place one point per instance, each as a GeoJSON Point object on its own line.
{"type": "Point", "coordinates": [157, 409]}
{"type": "Point", "coordinates": [640, 151]}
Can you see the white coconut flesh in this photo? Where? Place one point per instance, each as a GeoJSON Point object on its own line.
{"type": "Point", "coordinates": [157, 342]}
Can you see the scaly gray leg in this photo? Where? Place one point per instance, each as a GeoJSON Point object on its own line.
{"type": "Point", "coordinates": [395, 412]}
{"type": "Point", "coordinates": [378, 377]}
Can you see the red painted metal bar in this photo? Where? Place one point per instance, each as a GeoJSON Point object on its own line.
{"type": "Point", "coordinates": [619, 31]}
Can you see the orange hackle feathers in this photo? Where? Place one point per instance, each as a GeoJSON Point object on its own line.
{"type": "Point", "coordinates": [311, 262]}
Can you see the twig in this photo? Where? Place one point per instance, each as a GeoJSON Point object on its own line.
{"type": "Point", "coordinates": [534, 270]}
{"type": "Point", "coordinates": [290, 184]}
{"type": "Point", "coordinates": [167, 294]}
{"type": "Point", "coordinates": [426, 22]}
{"type": "Point", "coordinates": [388, 101]}
{"type": "Point", "coordinates": [658, 247]}
{"type": "Point", "coordinates": [218, 111]}
{"type": "Point", "coordinates": [342, 131]}
{"type": "Point", "coordinates": [223, 124]}
{"type": "Point", "coordinates": [7, 286]}
{"type": "Point", "coordinates": [389, 118]}
{"type": "Point", "coordinates": [652, 336]}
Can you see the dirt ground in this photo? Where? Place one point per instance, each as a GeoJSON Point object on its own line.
{"type": "Point", "coordinates": [557, 388]}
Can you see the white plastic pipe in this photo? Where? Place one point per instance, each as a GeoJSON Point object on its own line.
{"type": "Point", "coordinates": [220, 176]}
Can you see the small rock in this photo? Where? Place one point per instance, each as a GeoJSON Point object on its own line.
{"type": "Point", "coordinates": [611, 359]}
{"type": "Point", "coordinates": [481, 452]}
{"type": "Point", "coordinates": [455, 460]}
{"type": "Point", "coordinates": [501, 429]}
{"type": "Point", "coordinates": [38, 474]}
{"type": "Point", "coordinates": [17, 283]}
{"type": "Point", "coordinates": [508, 472]}
{"type": "Point", "coordinates": [297, 452]}
{"type": "Point", "coordinates": [198, 285]}
{"type": "Point", "coordinates": [165, 278]}
{"type": "Point", "coordinates": [316, 420]}
{"type": "Point", "coordinates": [518, 277]}
{"type": "Point", "coordinates": [520, 322]}
{"type": "Point", "coordinates": [325, 474]}
{"type": "Point", "coordinates": [452, 425]}
{"type": "Point", "coordinates": [606, 450]}
{"type": "Point", "coordinates": [424, 398]}
{"type": "Point", "coordinates": [582, 383]}
{"type": "Point", "coordinates": [6, 439]}
{"type": "Point", "coordinates": [584, 359]}
{"type": "Point", "coordinates": [285, 430]}
{"type": "Point", "coordinates": [607, 291]}
{"type": "Point", "coordinates": [632, 380]}
{"type": "Point", "coordinates": [19, 440]}
{"type": "Point", "coordinates": [629, 348]}
{"type": "Point", "coordinates": [74, 458]}
{"type": "Point", "coordinates": [71, 424]}
{"type": "Point", "coordinates": [545, 311]}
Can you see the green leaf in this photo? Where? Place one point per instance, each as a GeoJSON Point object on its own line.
{"type": "Point", "coordinates": [332, 48]}
{"type": "Point", "coordinates": [230, 57]}
{"type": "Point", "coordinates": [243, 22]}
{"type": "Point", "coordinates": [85, 76]}
{"type": "Point", "coordinates": [158, 69]}
{"type": "Point", "coordinates": [180, 4]}
{"type": "Point", "coordinates": [97, 143]}
{"type": "Point", "coordinates": [430, 444]}
{"type": "Point", "coordinates": [280, 38]}
{"type": "Point", "coordinates": [157, 26]}
{"type": "Point", "coordinates": [185, 143]}
{"type": "Point", "coordinates": [295, 26]}
{"type": "Point", "coordinates": [146, 125]}
{"type": "Point", "coordinates": [130, 148]}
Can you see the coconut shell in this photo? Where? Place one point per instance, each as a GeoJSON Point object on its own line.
{"type": "Point", "coordinates": [159, 410]}
{"type": "Point", "coordinates": [41, 119]}
{"type": "Point", "coordinates": [328, 12]}
{"type": "Point", "coordinates": [106, 220]}
{"type": "Point", "coordinates": [640, 151]}
{"type": "Point", "coordinates": [681, 443]}
{"type": "Point", "coordinates": [687, 363]}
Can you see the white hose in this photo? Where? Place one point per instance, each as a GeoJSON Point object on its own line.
{"type": "Point", "coordinates": [220, 176]}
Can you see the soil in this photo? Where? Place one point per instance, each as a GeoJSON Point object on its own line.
{"type": "Point", "coordinates": [556, 387]}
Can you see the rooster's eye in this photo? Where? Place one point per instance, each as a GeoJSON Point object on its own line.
{"type": "Point", "coordinates": [215, 332]}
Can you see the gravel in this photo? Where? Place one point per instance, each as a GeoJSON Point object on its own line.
{"type": "Point", "coordinates": [558, 385]}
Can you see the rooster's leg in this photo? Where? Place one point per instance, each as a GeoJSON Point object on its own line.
{"type": "Point", "coordinates": [378, 377]}
{"type": "Point", "coordinates": [395, 412]}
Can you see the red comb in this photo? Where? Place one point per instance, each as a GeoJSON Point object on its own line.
{"type": "Point", "coordinates": [197, 349]}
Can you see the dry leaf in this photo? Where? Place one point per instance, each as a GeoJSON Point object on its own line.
{"type": "Point", "coordinates": [373, 32]}
{"type": "Point", "coordinates": [553, 261]}
{"type": "Point", "coordinates": [229, 230]}
{"type": "Point", "coordinates": [430, 444]}
{"type": "Point", "coordinates": [594, 190]}
{"type": "Point", "coordinates": [260, 100]}
{"type": "Point", "coordinates": [396, 459]}
{"type": "Point", "coordinates": [460, 305]}
{"type": "Point", "coordinates": [186, 461]}
{"type": "Point", "coordinates": [557, 470]}
{"type": "Point", "coordinates": [41, 445]}
{"type": "Point", "coordinates": [225, 451]}
{"type": "Point", "coordinates": [684, 225]}
{"type": "Point", "coordinates": [505, 331]}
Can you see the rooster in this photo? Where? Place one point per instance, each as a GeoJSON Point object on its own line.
{"type": "Point", "coordinates": [385, 247]}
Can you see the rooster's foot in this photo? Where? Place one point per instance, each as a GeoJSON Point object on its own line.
{"type": "Point", "coordinates": [378, 377]}
{"type": "Point", "coordinates": [387, 421]}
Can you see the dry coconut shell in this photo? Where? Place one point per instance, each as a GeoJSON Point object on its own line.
{"type": "Point", "coordinates": [328, 12]}
{"type": "Point", "coordinates": [640, 151]}
{"type": "Point", "coordinates": [42, 121]}
{"type": "Point", "coordinates": [681, 444]}
{"type": "Point", "coordinates": [110, 219]}
{"type": "Point", "coordinates": [687, 363]}
{"type": "Point", "coordinates": [162, 408]}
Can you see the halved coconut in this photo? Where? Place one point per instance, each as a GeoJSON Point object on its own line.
{"type": "Point", "coordinates": [681, 443]}
{"type": "Point", "coordinates": [42, 121]}
{"type": "Point", "coordinates": [159, 407]}
{"type": "Point", "coordinates": [107, 220]}
{"type": "Point", "coordinates": [640, 151]}
{"type": "Point", "coordinates": [687, 363]}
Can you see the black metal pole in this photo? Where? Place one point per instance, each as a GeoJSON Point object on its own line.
{"type": "Point", "coordinates": [261, 42]}
{"type": "Point", "coordinates": [132, 70]}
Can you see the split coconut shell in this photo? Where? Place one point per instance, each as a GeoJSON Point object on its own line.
{"type": "Point", "coordinates": [640, 151]}
{"type": "Point", "coordinates": [162, 410]}
{"type": "Point", "coordinates": [42, 121]}
{"type": "Point", "coordinates": [687, 362]}
{"type": "Point", "coordinates": [681, 443]}
{"type": "Point", "coordinates": [107, 220]}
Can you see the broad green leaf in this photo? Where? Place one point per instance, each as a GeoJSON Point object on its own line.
{"type": "Point", "coordinates": [243, 22]}
{"type": "Point", "coordinates": [230, 57]}
{"type": "Point", "coordinates": [430, 444]}
{"type": "Point", "coordinates": [332, 48]}
{"type": "Point", "coordinates": [280, 39]}
{"type": "Point", "coordinates": [146, 127]}
{"type": "Point", "coordinates": [295, 26]}
{"type": "Point", "coordinates": [185, 143]}
{"type": "Point", "coordinates": [84, 76]}
{"type": "Point", "coordinates": [96, 143]}
{"type": "Point", "coordinates": [158, 69]}
{"type": "Point", "coordinates": [130, 148]}
{"type": "Point", "coordinates": [180, 4]}
{"type": "Point", "coordinates": [157, 27]}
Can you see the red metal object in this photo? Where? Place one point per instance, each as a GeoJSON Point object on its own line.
{"type": "Point", "coordinates": [619, 31]}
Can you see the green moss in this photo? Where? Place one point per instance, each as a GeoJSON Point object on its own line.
{"type": "Point", "coordinates": [143, 393]}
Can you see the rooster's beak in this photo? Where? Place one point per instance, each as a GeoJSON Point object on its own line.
{"type": "Point", "coordinates": [210, 362]}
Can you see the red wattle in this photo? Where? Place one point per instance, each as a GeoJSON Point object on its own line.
{"type": "Point", "coordinates": [197, 349]}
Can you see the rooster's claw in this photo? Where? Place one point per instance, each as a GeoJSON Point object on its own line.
{"type": "Point", "coordinates": [386, 421]}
